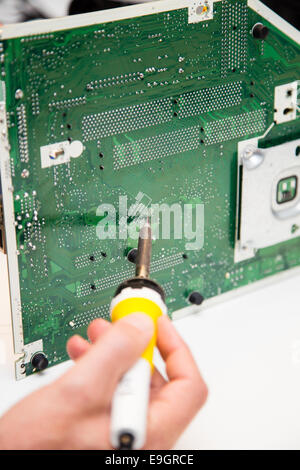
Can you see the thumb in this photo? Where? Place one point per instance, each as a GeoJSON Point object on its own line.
{"type": "Point", "coordinates": [96, 375]}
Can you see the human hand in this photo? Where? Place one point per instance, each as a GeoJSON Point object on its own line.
{"type": "Point", "coordinates": [74, 411]}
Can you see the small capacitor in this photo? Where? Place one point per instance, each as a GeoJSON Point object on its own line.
{"type": "Point", "coordinates": [39, 361]}
{"type": "Point", "coordinates": [260, 31]}
{"type": "Point", "coordinates": [196, 298]}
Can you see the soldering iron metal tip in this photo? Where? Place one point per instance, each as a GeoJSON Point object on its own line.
{"type": "Point", "coordinates": [143, 259]}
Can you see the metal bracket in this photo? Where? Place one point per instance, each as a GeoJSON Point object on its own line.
{"type": "Point", "coordinates": [29, 350]}
{"type": "Point", "coordinates": [263, 220]}
{"type": "Point", "coordinates": [285, 102]}
{"type": "Point", "coordinates": [201, 10]}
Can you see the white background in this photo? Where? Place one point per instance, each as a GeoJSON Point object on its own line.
{"type": "Point", "coordinates": [248, 350]}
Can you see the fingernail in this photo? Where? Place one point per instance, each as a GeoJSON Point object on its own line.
{"type": "Point", "coordinates": [142, 322]}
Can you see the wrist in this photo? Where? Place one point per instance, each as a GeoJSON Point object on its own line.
{"type": "Point", "coordinates": [37, 422]}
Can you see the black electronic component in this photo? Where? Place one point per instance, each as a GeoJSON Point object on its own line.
{"type": "Point", "coordinates": [39, 361]}
{"type": "Point", "coordinates": [196, 298]}
{"type": "Point", "coordinates": [131, 256]}
{"type": "Point", "coordinates": [260, 31]}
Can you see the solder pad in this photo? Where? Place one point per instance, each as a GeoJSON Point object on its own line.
{"type": "Point", "coordinates": [151, 99]}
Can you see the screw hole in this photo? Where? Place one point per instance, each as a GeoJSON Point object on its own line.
{"type": "Point", "coordinates": [201, 9]}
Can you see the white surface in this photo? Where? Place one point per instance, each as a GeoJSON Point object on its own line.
{"type": "Point", "coordinates": [248, 350]}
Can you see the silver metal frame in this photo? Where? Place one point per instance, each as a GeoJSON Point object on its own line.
{"type": "Point", "coordinates": [263, 221]}
{"type": "Point", "coordinates": [10, 230]}
{"type": "Point", "coordinates": [48, 26]}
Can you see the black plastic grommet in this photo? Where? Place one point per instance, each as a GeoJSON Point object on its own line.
{"type": "Point", "coordinates": [260, 31]}
{"type": "Point", "coordinates": [196, 298]}
{"type": "Point", "coordinates": [39, 361]}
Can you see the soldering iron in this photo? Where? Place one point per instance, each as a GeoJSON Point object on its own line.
{"type": "Point", "coordinates": [130, 402]}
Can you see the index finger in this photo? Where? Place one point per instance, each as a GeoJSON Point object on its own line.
{"type": "Point", "coordinates": [93, 379]}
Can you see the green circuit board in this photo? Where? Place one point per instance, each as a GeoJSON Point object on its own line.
{"type": "Point", "coordinates": [159, 105]}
